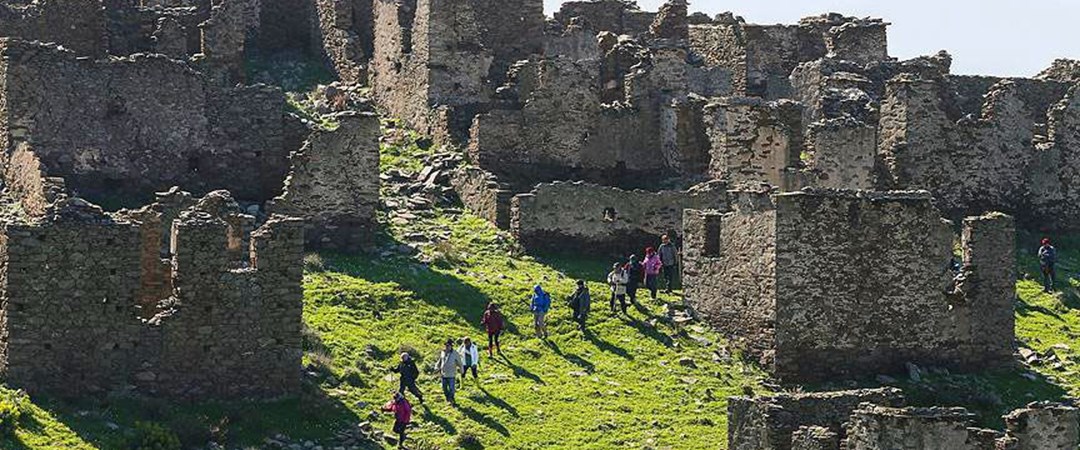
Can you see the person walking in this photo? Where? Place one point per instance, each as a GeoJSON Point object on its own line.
{"type": "Point", "coordinates": [409, 374]}
{"type": "Point", "coordinates": [669, 257]}
{"type": "Point", "coordinates": [652, 271]}
{"type": "Point", "coordinates": [635, 273]}
{"type": "Point", "coordinates": [617, 279]}
{"type": "Point", "coordinates": [470, 354]}
{"type": "Point", "coordinates": [581, 303]}
{"type": "Point", "coordinates": [494, 323]}
{"type": "Point", "coordinates": [449, 364]}
{"type": "Point", "coordinates": [1047, 260]}
{"type": "Point", "coordinates": [402, 416]}
{"type": "Point", "coordinates": [540, 305]}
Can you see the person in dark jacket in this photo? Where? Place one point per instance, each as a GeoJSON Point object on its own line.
{"type": "Point", "coordinates": [581, 303]}
{"type": "Point", "coordinates": [636, 273]}
{"type": "Point", "coordinates": [409, 374]}
{"type": "Point", "coordinates": [494, 323]}
{"type": "Point", "coordinates": [1047, 260]}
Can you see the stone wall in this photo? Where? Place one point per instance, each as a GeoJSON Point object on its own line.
{"type": "Point", "coordinates": [762, 57]}
{"type": "Point", "coordinates": [338, 34]}
{"type": "Point", "coordinates": [754, 140]}
{"type": "Point", "coordinates": [483, 194]}
{"type": "Point", "coordinates": [804, 314]}
{"type": "Point", "coordinates": [73, 321]}
{"type": "Point", "coordinates": [334, 184]}
{"type": "Point", "coordinates": [117, 130]}
{"type": "Point", "coordinates": [774, 422]}
{"type": "Point", "coordinates": [78, 25]}
{"type": "Point", "coordinates": [566, 215]}
{"type": "Point", "coordinates": [607, 15]}
{"type": "Point", "coordinates": [874, 419]}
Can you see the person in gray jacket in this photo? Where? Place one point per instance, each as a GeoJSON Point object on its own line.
{"type": "Point", "coordinates": [449, 365]}
{"type": "Point", "coordinates": [669, 256]}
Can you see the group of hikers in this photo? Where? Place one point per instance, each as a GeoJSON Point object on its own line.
{"type": "Point", "coordinates": [623, 281]}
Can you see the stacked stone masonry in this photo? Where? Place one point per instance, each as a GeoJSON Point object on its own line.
{"type": "Point", "coordinates": [877, 420]}
{"type": "Point", "coordinates": [76, 320]}
{"type": "Point", "coordinates": [788, 278]}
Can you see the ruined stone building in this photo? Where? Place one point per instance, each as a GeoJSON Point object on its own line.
{"type": "Point", "coordinates": [819, 285]}
{"type": "Point", "coordinates": [179, 298]}
{"type": "Point", "coordinates": [876, 419]}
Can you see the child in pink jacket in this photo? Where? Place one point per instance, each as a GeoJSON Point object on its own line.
{"type": "Point", "coordinates": [652, 270]}
{"type": "Point", "coordinates": [402, 416]}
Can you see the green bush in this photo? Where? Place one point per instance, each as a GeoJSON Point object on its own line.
{"type": "Point", "coordinates": [152, 436]}
{"type": "Point", "coordinates": [12, 404]}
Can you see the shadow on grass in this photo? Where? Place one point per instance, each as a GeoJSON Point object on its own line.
{"type": "Point", "coordinates": [314, 415]}
{"type": "Point", "coordinates": [572, 358]}
{"type": "Point", "coordinates": [445, 425]}
{"type": "Point", "coordinates": [607, 346]}
{"type": "Point", "coordinates": [485, 420]}
{"type": "Point", "coordinates": [433, 286]}
{"type": "Point", "coordinates": [499, 403]}
{"type": "Point", "coordinates": [518, 370]}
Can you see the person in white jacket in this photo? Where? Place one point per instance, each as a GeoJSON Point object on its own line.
{"type": "Point", "coordinates": [617, 279]}
{"type": "Point", "coordinates": [470, 354]}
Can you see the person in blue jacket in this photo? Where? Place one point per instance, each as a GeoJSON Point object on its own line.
{"type": "Point", "coordinates": [540, 305]}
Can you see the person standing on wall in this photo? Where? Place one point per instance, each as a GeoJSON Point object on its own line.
{"type": "Point", "coordinates": [402, 416]}
{"type": "Point", "coordinates": [494, 323]}
{"type": "Point", "coordinates": [617, 279]}
{"type": "Point", "coordinates": [1047, 259]}
{"type": "Point", "coordinates": [470, 354]}
{"type": "Point", "coordinates": [448, 365]}
{"type": "Point", "coordinates": [636, 274]}
{"type": "Point", "coordinates": [581, 303]}
{"type": "Point", "coordinates": [652, 271]}
{"type": "Point", "coordinates": [540, 305]}
{"type": "Point", "coordinates": [669, 256]}
{"type": "Point", "coordinates": [409, 374]}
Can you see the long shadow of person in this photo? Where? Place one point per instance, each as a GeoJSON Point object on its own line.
{"type": "Point", "coordinates": [518, 370]}
{"type": "Point", "coordinates": [485, 420]}
{"type": "Point", "coordinates": [438, 420]}
{"type": "Point", "coordinates": [498, 402]}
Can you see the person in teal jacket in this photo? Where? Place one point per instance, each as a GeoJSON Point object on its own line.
{"type": "Point", "coordinates": [540, 305]}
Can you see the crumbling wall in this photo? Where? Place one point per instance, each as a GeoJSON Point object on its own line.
{"type": "Point", "coordinates": [754, 140]}
{"type": "Point", "coordinates": [774, 422]}
{"type": "Point", "coordinates": [72, 321]}
{"type": "Point", "coordinates": [973, 163]}
{"type": "Point", "coordinates": [802, 309]}
{"type": "Point", "coordinates": [334, 183]}
{"type": "Point", "coordinates": [615, 16]}
{"type": "Point", "coordinates": [225, 34]}
{"type": "Point", "coordinates": [78, 25]}
{"type": "Point", "coordinates": [1042, 426]}
{"type": "Point", "coordinates": [117, 130]}
{"type": "Point", "coordinates": [483, 194]}
{"type": "Point", "coordinates": [881, 428]}
{"type": "Point", "coordinates": [762, 57]}
{"type": "Point", "coordinates": [337, 35]}
{"type": "Point", "coordinates": [558, 215]}
{"type": "Point", "coordinates": [729, 269]}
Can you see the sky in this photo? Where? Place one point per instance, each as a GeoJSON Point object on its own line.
{"type": "Point", "coordinates": [985, 37]}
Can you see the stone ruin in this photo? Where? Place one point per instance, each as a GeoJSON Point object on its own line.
{"type": "Point", "coordinates": [819, 285]}
{"type": "Point", "coordinates": [180, 298]}
{"type": "Point", "coordinates": [876, 419]}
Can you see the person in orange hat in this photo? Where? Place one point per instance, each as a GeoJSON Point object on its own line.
{"type": "Point", "coordinates": [1047, 259]}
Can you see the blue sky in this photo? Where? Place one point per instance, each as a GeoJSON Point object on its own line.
{"type": "Point", "coordinates": [987, 37]}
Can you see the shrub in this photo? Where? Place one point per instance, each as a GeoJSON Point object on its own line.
{"type": "Point", "coordinates": [152, 436]}
{"type": "Point", "coordinates": [12, 405]}
{"type": "Point", "coordinates": [313, 262]}
{"type": "Point", "coordinates": [468, 441]}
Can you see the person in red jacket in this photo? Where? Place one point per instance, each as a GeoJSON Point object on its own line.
{"type": "Point", "coordinates": [494, 323]}
{"type": "Point", "coordinates": [402, 416]}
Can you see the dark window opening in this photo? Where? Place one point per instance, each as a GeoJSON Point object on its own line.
{"type": "Point", "coordinates": [712, 235]}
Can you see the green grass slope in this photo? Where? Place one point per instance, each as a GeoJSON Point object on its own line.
{"type": "Point", "coordinates": [619, 386]}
